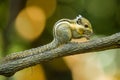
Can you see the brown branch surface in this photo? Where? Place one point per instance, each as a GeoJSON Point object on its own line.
{"type": "Point", "coordinates": [71, 48]}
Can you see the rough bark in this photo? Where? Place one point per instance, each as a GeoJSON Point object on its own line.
{"type": "Point", "coordinates": [71, 48]}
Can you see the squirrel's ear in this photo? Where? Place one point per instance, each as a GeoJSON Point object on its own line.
{"type": "Point", "coordinates": [79, 17]}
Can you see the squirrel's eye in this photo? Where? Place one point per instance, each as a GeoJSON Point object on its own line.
{"type": "Point", "coordinates": [78, 21]}
{"type": "Point", "coordinates": [86, 26]}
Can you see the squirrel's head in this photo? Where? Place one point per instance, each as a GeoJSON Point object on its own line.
{"type": "Point", "coordinates": [82, 27]}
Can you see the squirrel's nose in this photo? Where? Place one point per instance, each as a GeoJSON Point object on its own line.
{"type": "Point", "coordinates": [88, 32]}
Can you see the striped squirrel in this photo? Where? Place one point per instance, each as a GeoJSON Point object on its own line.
{"type": "Point", "coordinates": [64, 30]}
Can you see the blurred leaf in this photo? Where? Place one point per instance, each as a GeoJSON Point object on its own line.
{"type": "Point", "coordinates": [66, 11]}
{"type": "Point", "coordinates": [104, 26]}
{"type": "Point", "coordinates": [1, 44]}
{"type": "Point", "coordinates": [3, 14]}
{"type": "Point", "coordinates": [14, 47]}
{"type": "Point", "coordinates": [2, 78]}
{"type": "Point", "coordinates": [101, 8]}
{"type": "Point", "coordinates": [118, 17]}
{"type": "Point", "coordinates": [66, 1]}
{"type": "Point", "coordinates": [57, 65]}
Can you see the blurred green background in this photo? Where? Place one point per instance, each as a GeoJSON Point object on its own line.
{"type": "Point", "coordinates": [104, 16]}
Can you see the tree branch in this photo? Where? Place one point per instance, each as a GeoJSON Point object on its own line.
{"type": "Point", "coordinates": [71, 48]}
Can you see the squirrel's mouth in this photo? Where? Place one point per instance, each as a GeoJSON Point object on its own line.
{"type": "Point", "coordinates": [86, 34]}
{"type": "Point", "coordinates": [83, 36]}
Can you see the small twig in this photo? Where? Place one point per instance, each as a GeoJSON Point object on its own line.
{"type": "Point", "coordinates": [71, 48]}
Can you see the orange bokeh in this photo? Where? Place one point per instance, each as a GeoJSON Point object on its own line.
{"type": "Point", "coordinates": [30, 23]}
{"type": "Point", "coordinates": [48, 6]}
{"type": "Point", "coordinates": [31, 73]}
